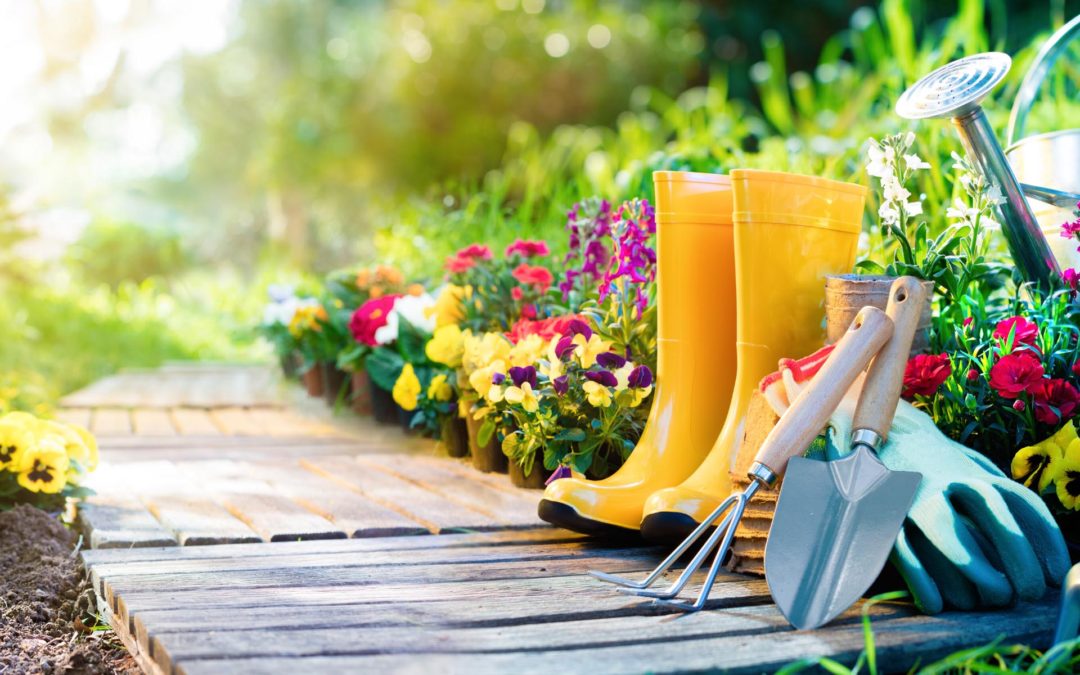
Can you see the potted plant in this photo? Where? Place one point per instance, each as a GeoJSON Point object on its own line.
{"type": "Point", "coordinates": [307, 328]}
{"type": "Point", "coordinates": [274, 327]}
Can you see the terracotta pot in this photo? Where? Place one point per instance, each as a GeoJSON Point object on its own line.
{"type": "Point", "coordinates": [360, 396]}
{"type": "Point", "coordinates": [535, 480]}
{"type": "Point", "coordinates": [382, 404]}
{"type": "Point", "coordinates": [313, 381]}
{"type": "Point", "coordinates": [846, 294]}
{"type": "Point", "coordinates": [335, 383]}
{"type": "Point", "coordinates": [488, 458]}
{"type": "Point", "coordinates": [455, 436]}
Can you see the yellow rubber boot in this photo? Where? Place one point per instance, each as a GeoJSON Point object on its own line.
{"type": "Point", "coordinates": [790, 232]}
{"type": "Point", "coordinates": [695, 359]}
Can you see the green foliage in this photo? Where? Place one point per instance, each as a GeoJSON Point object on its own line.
{"type": "Point", "coordinates": [112, 253]}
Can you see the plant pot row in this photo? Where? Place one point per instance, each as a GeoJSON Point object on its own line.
{"type": "Point", "coordinates": [364, 397]}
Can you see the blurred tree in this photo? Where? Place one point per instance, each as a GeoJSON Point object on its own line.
{"type": "Point", "coordinates": [112, 253]}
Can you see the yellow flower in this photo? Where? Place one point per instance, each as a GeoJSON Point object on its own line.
{"type": "Point", "coordinates": [480, 380]}
{"type": "Point", "coordinates": [1065, 470]}
{"type": "Point", "coordinates": [448, 308]}
{"type": "Point", "coordinates": [523, 396]}
{"type": "Point", "coordinates": [389, 275]}
{"type": "Point", "coordinates": [598, 395]}
{"type": "Point", "coordinates": [78, 443]}
{"type": "Point", "coordinates": [447, 345]}
{"type": "Point", "coordinates": [407, 388]}
{"type": "Point", "coordinates": [588, 350]}
{"type": "Point", "coordinates": [1031, 465]}
{"type": "Point", "coordinates": [43, 466]}
{"type": "Point", "coordinates": [15, 437]}
{"type": "Point", "coordinates": [482, 350]}
{"type": "Point", "coordinates": [440, 389]}
{"type": "Point", "coordinates": [307, 318]}
{"type": "Point", "coordinates": [527, 351]}
{"type": "Point", "coordinates": [552, 365]}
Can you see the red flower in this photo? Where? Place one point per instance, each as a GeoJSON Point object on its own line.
{"type": "Point", "coordinates": [545, 328]}
{"type": "Point", "coordinates": [540, 277]}
{"type": "Point", "coordinates": [370, 317]}
{"type": "Point", "coordinates": [1026, 331]}
{"type": "Point", "coordinates": [925, 373]}
{"type": "Point", "coordinates": [972, 375]}
{"type": "Point", "coordinates": [528, 249]}
{"type": "Point", "coordinates": [1055, 400]}
{"type": "Point", "coordinates": [1019, 405]}
{"type": "Point", "coordinates": [516, 293]}
{"type": "Point", "coordinates": [967, 321]}
{"type": "Point", "coordinates": [475, 252]}
{"type": "Point", "coordinates": [1076, 368]}
{"type": "Point", "coordinates": [1071, 278]}
{"type": "Point", "coordinates": [1016, 373]}
{"type": "Point", "coordinates": [528, 312]}
{"type": "Point", "coordinates": [456, 264]}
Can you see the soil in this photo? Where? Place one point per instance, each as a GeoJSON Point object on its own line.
{"type": "Point", "coordinates": [47, 606]}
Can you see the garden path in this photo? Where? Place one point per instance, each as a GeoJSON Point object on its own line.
{"type": "Point", "coordinates": [348, 599]}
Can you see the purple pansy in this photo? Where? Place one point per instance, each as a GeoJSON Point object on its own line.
{"type": "Point", "coordinates": [565, 347]}
{"type": "Point", "coordinates": [498, 378]}
{"type": "Point", "coordinates": [610, 360]}
{"type": "Point", "coordinates": [519, 375]}
{"type": "Point", "coordinates": [602, 377]}
{"type": "Point", "coordinates": [561, 384]}
{"type": "Point", "coordinates": [640, 377]}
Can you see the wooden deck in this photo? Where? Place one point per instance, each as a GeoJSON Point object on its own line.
{"type": "Point", "coordinates": [370, 589]}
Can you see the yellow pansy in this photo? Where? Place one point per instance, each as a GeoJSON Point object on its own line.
{"type": "Point", "coordinates": [78, 443]}
{"type": "Point", "coordinates": [440, 389]}
{"type": "Point", "coordinates": [588, 350]}
{"type": "Point", "coordinates": [448, 308]}
{"type": "Point", "coordinates": [527, 351]}
{"type": "Point", "coordinates": [1030, 465]}
{"type": "Point", "coordinates": [523, 396]}
{"type": "Point", "coordinates": [447, 345]}
{"type": "Point", "coordinates": [407, 388]}
{"type": "Point", "coordinates": [43, 466]}
{"type": "Point", "coordinates": [307, 318]}
{"type": "Point", "coordinates": [15, 437]}
{"type": "Point", "coordinates": [1065, 470]}
{"type": "Point", "coordinates": [480, 380]}
{"type": "Point", "coordinates": [597, 394]}
{"type": "Point", "coordinates": [481, 350]}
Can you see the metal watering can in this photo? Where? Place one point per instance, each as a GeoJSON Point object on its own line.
{"type": "Point", "coordinates": [954, 91]}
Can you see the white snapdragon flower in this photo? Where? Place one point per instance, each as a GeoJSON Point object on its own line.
{"type": "Point", "coordinates": [879, 165]}
{"type": "Point", "coordinates": [914, 163]}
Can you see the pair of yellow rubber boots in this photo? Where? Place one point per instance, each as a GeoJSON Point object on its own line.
{"type": "Point", "coordinates": [740, 284]}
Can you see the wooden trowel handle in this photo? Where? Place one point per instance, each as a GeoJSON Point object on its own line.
{"type": "Point", "coordinates": [881, 391]}
{"type": "Point", "coordinates": [811, 409]}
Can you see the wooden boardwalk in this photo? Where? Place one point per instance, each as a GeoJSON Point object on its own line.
{"type": "Point", "coordinates": [369, 589]}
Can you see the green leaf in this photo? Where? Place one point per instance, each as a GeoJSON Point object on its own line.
{"type": "Point", "coordinates": [384, 366]}
{"type": "Point", "coordinates": [411, 342]}
{"type": "Point", "coordinates": [572, 435]}
{"type": "Point", "coordinates": [486, 431]}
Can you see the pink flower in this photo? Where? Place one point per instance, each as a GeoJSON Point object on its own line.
{"type": "Point", "coordinates": [530, 275]}
{"type": "Point", "coordinates": [1019, 405]}
{"type": "Point", "coordinates": [516, 293]}
{"type": "Point", "coordinates": [1055, 400]}
{"type": "Point", "coordinates": [475, 252]}
{"type": "Point", "coordinates": [925, 373]}
{"type": "Point", "coordinates": [1026, 331]}
{"type": "Point", "coordinates": [545, 328]}
{"type": "Point", "coordinates": [1071, 278]}
{"type": "Point", "coordinates": [456, 264]}
{"type": "Point", "coordinates": [370, 317]}
{"type": "Point", "coordinates": [1071, 228]}
{"type": "Point", "coordinates": [527, 248]}
{"type": "Point", "coordinates": [1015, 373]}
{"type": "Point", "coordinates": [967, 321]}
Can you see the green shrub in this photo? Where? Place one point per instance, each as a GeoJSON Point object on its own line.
{"type": "Point", "coordinates": [113, 252]}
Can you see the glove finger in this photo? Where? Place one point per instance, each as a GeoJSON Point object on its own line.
{"type": "Point", "coordinates": [988, 511]}
{"type": "Point", "coordinates": [980, 459]}
{"type": "Point", "coordinates": [924, 591]}
{"type": "Point", "coordinates": [1039, 528]}
{"type": "Point", "coordinates": [957, 591]}
{"type": "Point", "coordinates": [937, 519]}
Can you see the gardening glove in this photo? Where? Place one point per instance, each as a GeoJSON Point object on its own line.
{"type": "Point", "coordinates": [973, 537]}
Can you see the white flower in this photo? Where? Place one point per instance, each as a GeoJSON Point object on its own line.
{"type": "Point", "coordinates": [994, 196]}
{"type": "Point", "coordinates": [913, 208]}
{"type": "Point", "coordinates": [914, 163]}
{"type": "Point", "coordinates": [893, 190]}
{"type": "Point", "coordinates": [961, 211]}
{"type": "Point", "coordinates": [889, 214]}
{"type": "Point", "coordinates": [909, 139]}
{"type": "Point", "coordinates": [878, 166]}
{"type": "Point", "coordinates": [388, 332]}
{"type": "Point", "coordinates": [280, 292]}
{"type": "Point", "coordinates": [410, 308]}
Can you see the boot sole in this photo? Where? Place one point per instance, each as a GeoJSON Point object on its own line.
{"type": "Point", "coordinates": [667, 527]}
{"type": "Point", "coordinates": [565, 516]}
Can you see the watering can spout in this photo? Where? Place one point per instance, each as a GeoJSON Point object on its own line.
{"type": "Point", "coordinates": [954, 91]}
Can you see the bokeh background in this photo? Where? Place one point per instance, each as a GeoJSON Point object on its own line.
{"type": "Point", "coordinates": [164, 160]}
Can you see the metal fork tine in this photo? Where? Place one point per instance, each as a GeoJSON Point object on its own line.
{"type": "Point", "coordinates": [729, 533]}
{"type": "Point", "coordinates": [699, 558]}
{"type": "Point", "coordinates": [667, 562]}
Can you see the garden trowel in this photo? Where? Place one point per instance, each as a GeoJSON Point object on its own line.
{"type": "Point", "coordinates": [836, 521]}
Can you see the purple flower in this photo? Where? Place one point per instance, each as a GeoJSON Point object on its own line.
{"type": "Point", "coordinates": [635, 260]}
{"type": "Point", "coordinates": [560, 472]}
{"type": "Point", "coordinates": [610, 360]}
{"type": "Point", "coordinates": [589, 224]}
{"type": "Point", "coordinates": [579, 327]}
{"type": "Point", "coordinates": [640, 377]}
{"type": "Point", "coordinates": [498, 378]}
{"type": "Point", "coordinates": [561, 384]}
{"type": "Point", "coordinates": [602, 377]}
{"type": "Point", "coordinates": [565, 347]}
{"type": "Point", "coordinates": [522, 374]}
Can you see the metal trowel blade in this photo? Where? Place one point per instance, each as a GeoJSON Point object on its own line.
{"type": "Point", "coordinates": [834, 526]}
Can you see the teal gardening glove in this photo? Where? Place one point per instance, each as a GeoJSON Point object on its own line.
{"type": "Point", "coordinates": [973, 537]}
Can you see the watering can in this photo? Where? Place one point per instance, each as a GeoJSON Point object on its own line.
{"type": "Point", "coordinates": [954, 91]}
{"type": "Point", "coordinates": [1051, 159]}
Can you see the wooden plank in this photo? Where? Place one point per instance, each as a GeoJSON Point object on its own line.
{"type": "Point", "coordinates": [194, 422]}
{"type": "Point", "coordinates": [516, 507]}
{"type": "Point", "coordinates": [197, 521]}
{"type": "Point", "coordinates": [111, 422]}
{"type": "Point", "coordinates": [121, 523]}
{"type": "Point", "coordinates": [428, 508]}
{"type": "Point", "coordinates": [900, 643]}
{"type": "Point", "coordinates": [151, 422]}
{"type": "Point", "coordinates": [235, 421]}
{"type": "Point", "coordinates": [79, 416]}
{"type": "Point", "coordinates": [277, 518]}
{"type": "Point", "coordinates": [372, 638]}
